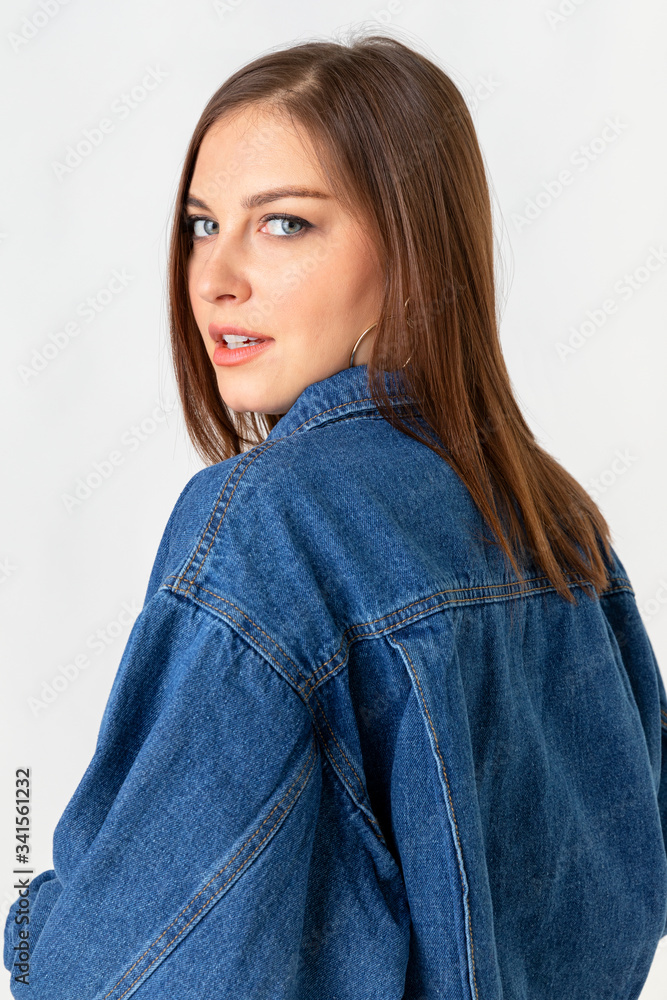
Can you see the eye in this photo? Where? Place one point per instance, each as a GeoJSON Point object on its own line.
{"type": "Point", "coordinates": [192, 222]}
{"type": "Point", "coordinates": [283, 225]}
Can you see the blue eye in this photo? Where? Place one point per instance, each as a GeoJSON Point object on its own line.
{"type": "Point", "coordinates": [285, 221]}
{"type": "Point", "coordinates": [200, 226]}
{"type": "Point", "coordinates": [191, 226]}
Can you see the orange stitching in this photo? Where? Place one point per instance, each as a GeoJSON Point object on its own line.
{"type": "Point", "coordinates": [420, 600]}
{"type": "Point", "coordinates": [305, 702]}
{"type": "Point", "coordinates": [222, 517]}
{"type": "Point", "coordinates": [225, 615]}
{"type": "Point", "coordinates": [472, 950]}
{"type": "Point", "coordinates": [338, 771]}
{"type": "Point", "coordinates": [456, 590]}
{"type": "Point", "coordinates": [310, 681]}
{"type": "Point", "coordinates": [266, 819]}
{"type": "Point", "coordinates": [260, 451]}
{"type": "Point", "coordinates": [363, 793]}
{"type": "Point", "coordinates": [242, 458]}
{"type": "Point", "coordinates": [180, 590]}
{"type": "Point", "coordinates": [533, 590]}
{"type": "Point", "coordinates": [401, 399]}
{"type": "Point", "coordinates": [222, 490]}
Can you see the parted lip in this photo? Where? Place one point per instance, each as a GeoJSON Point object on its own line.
{"type": "Point", "coordinates": [217, 331]}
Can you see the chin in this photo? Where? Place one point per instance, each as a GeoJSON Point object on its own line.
{"type": "Point", "coordinates": [244, 402]}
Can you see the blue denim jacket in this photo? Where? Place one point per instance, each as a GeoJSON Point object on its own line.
{"type": "Point", "coordinates": [346, 756]}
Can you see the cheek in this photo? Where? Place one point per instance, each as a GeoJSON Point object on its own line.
{"type": "Point", "coordinates": [191, 281]}
{"type": "Point", "coordinates": [355, 278]}
{"type": "Point", "coordinates": [340, 277]}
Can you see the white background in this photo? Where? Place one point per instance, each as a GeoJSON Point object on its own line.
{"type": "Point", "coordinates": [541, 84]}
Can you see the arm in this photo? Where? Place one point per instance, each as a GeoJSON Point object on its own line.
{"type": "Point", "coordinates": [640, 668]}
{"type": "Point", "coordinates": [32, 907]}
{"type": "Point", "coordinates": [183, 855]}
{"type": "Point", "coordinates": [662, 787]}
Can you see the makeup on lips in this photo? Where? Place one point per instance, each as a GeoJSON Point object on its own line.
{"type": "Point", "coordinates": [234, 344]}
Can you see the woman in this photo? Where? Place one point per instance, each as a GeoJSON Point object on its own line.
{"type": "Point", "coordinates": [389, 724]}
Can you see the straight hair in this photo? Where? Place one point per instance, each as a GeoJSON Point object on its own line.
{"type": "Point", "coordinates": [396, 142]}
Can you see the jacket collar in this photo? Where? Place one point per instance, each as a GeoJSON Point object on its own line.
{"type": "Point", "coordinates": [341, 394]}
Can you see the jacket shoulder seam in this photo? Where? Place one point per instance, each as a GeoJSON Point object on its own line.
{"type": "Point", "coordinates": [305, 692]}
{"type": "Point", "coordinates": [305, 684]}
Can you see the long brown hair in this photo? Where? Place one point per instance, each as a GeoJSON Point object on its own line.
{"type": "Point", "coordinates": [396, 141]}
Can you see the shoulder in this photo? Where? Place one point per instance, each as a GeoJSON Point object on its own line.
{"type": "Point", "coordinates": [307, 517]}
{"type": "Point", "coordinates": [359, 470]}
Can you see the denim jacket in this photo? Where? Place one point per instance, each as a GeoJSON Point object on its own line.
{"type": "Point", "coordinates": [347, 756]}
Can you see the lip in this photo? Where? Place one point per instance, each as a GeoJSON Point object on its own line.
{"type": "Point", "coordinates": [216, 331]}
{"type": "Point", "coordinates": [224, 356]}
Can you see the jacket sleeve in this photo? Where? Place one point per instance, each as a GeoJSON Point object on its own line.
{"type": "Point", "coordinates": [662, 788]}
{"type": "Point", "coordinates": [34, 902]}
{"type": "Point", "coordinates": [641, 671]}
{"type": "Point", "coordinates": [181, 861]}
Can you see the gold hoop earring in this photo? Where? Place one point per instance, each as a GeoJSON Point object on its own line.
{"type": "Point", "coordinates": [351, 365]}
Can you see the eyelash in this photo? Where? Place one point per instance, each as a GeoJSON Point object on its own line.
{"type": "Point", "coordinates": [191, 219]}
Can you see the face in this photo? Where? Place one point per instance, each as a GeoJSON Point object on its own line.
{"type": "Point", "coordinates": [295, 268]}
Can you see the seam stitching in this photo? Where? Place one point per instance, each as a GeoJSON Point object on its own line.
{"type": "Point", "coordinates": [313, 681]}
{"type": "Point", "coordinates": [449, 793]}
{"type": "Point", "coordinates": [242, 865]}
{"type": "Point", "coordinates": [400, 400]}
{"type": "Point", "coordinates": [468, 600]}
{"type": "Point", "coordinates": [301, 689]}
{"type": "Point", "coordinates": [333, 736]}
{"type": "Point", "coordinates": [259, 450]}
{"type": "Point", "coordinates": [181, 590]}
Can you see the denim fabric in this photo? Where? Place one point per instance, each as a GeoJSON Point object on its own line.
{"type": "Point", "coordinates": [347, 756]}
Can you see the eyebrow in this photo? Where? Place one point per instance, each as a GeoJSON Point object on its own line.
{"type": "Point", "coordinates": [262, 197]}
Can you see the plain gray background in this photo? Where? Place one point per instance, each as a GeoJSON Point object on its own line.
{"type": "Point", "coordinates": [554, 86]}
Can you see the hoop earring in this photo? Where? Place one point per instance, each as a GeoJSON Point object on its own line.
{"type": "Point", "coordinates": [351, 365]}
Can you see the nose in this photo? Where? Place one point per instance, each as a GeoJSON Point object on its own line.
{"type": "Point", "coordinates": [221, 273]}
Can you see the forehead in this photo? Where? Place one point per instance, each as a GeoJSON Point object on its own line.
{"type": "Point", "coordinates": [254, 148]}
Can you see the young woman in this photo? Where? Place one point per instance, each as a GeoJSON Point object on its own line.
{"type": "Point", "coordinates": [389, 724]}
